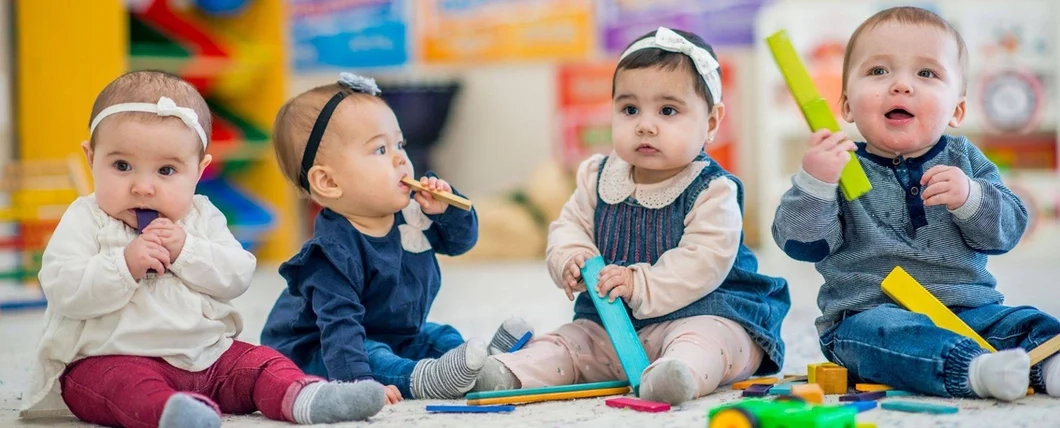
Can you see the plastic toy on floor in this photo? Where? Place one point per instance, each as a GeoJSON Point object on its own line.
{"type": "Point", "coordinates": [618, 325]}
{"type": "Point", "coordinates": [788, 412]}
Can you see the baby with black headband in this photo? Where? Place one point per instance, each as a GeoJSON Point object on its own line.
{"type": "Point", "coordinates": [360, 289]}
{"type": "Point", "coordinates": [125, 348]}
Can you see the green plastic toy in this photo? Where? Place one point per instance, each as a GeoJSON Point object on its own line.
{"type": "Point", "coordinates": [853, 180]}
{"type": "Point", "coordinates": [780, 413]}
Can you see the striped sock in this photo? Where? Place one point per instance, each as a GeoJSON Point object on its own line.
{"type": "Point", "coordinates": [508, 334]}
{"type": "Point", "coordinates": [331, 402]}
{"type": "Point", "coordinates": [450, 376]}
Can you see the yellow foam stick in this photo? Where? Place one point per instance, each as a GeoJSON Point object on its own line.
{"type": "Point", "coordinates": [448, 197]}
{"type": "Point", "coordinates": [756, 381]}
{"type": "Point", "coordinates": [552, 396]}
{"type": "Point", "coordinates": [905, 290]}
{"type": "Point", "coordinates": [852, 180]}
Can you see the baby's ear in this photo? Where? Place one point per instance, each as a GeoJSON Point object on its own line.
{"type": "Point", "coordinates": [205, 162]}
{"type": "Point", "coordinates": [322, 182]}
{"type": "Point", "coordinates": [89, 153]}
{"type": "Point", "coordinates": [958, 113]}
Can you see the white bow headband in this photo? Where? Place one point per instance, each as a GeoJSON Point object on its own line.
{"type": "Point", "coordinates": [667, 40]}
{"type": "Point", "coordinates": [164, 107]}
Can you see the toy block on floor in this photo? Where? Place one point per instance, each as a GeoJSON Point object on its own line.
{"type": "Point", "coordinates": [756, 390]}
{"type": "Point", "coordinates": [615, 317]}
{"type": "Point", "coordinates": [547, 390]}
{"type": "Point", "coordinates": [905, 290]}
{"type": "Point", "coordinates": [919, 407]}
{"type": "Point", "coordinates": [469, 409]}
{"type": "Point", "coordinates": [637, 404]}
{"type": "Point", "coordinates": [781, 389]}
{"type": "Point", "coordinates": [870, 387]}
{"type": "Point", "coordinates": [833, 379]}
{"type": "Point", "coordinates": [810, 392]}
{"type": "Point", "coordinates": [898, 393]}
{"type": "Point", "coordinates": [755, 381]}
{"type": "Point", "coordinates": [555, 396]}
{"type": "Point", "coordinates": [863, 405]}
{"type": "Point", "coordinates": [811, 370]}
{"type": "Point", "coordinates": [1043, 351]}
{"type": "Point", "coordinates": [864, 396]}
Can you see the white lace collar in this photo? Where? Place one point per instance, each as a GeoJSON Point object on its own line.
{"type": "Point", "coordinates": [616, 184]}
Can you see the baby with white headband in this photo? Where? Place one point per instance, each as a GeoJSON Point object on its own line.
{"type": "Point", "coordinates": [125, 348]}
{"type": "Point", "coordinates": [667, 220]}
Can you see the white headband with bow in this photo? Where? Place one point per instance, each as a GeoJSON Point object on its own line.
{"type": "Point", "coordinates": [164, 107]}
{"type": "Point", "coordinates": [667, 40]}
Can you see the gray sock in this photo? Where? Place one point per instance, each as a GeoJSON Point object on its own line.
{"type": "Point", "coordinates": [185, 411]}
{"type": "Point", "coordinates": [669, 382]}
{"type": "Point", "coordinates": [450, 376]}
{"type": "Point", "coordinates": [510, 332]}
{"type": "Point", "coordinates": [495, 376]}
{"type": "Point", "coordinates": [331, 402]}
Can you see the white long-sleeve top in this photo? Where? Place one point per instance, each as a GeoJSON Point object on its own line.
{"type": "Point", "coordinates": [95, 307]}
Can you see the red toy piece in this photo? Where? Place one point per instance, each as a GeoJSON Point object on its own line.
{"type": "Point", "coordinates": [637, 404]}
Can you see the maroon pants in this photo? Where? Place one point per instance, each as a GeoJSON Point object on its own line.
{"type": "Point", "coordinates": [128, 391]}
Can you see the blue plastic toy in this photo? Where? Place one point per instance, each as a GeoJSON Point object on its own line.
{"type": "Point", "coordinates": [618, 325]}
{"type": "Point", "coordinates": [470, 409]}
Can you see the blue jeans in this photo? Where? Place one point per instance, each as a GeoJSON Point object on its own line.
{"type": "Point", "coordinates": [394, 366]}
{"type": "Point", "coordinates": [905, 350]}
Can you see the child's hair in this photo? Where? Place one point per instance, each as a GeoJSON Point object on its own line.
{"type": "Point", "coordinates": [148, 87]}
{"type": "Point", "coordinates": [669, 61]}
{"type": "Point", "coordinates": [298, 116]}
{"type": "Point", "coordinates": [914, 16]}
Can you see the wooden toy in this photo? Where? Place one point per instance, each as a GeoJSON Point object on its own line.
{"type": "Point", "coordinates": [547, 390]}
{"type": "Point", "coordinates": [637, 404]}
{"type": "Point", "coordinates": [871, 387]}
{"type": "Point", "coordinates": [905, 290]}
{"type": "Point", "coordinates": [810, 392]}
{"type": "Point", "coordinates": [448, 197]}
{"type": "Point", "coordinates": [833, 379]}
{"type": "Point", "coordinates": [1043, 351]}
{"type": "Point", "coordinates": [618, 326]}
{"type": "Point", "coordinates": [756, 390]}
{"type": "Point", "coordinates": [555, 396]}
{"type": "Point", "coordinates": [469, 409]}
{"type": "Point", "coordinates": [780, 413]}
{"type": "Point", "coordinates": [852, 180]}
{"type": "Point", "coordinates": [755, 381]}
{"type": "Point", "coordinates": [865, 396]}
{"type": "Point", "coordinates": [522, 342]}
{"type": "Point", "coordinates": [811, 370]}
{"type": "Point", "coordinates": [919, 407]}
{"type": "Point", "coordinates": [862, 406]}
{"type": "Point", "coordinates": [898, 393]}
{"type": "Point", "coordinates": [794, 378]}
{"type": "Point", "coordinates": [780, 389]}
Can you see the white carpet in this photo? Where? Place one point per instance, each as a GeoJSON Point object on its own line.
{"type": "Point", "coordinates": [477, 297]}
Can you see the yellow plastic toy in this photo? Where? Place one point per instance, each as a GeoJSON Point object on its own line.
{"type": "Point", "coordinates": [852, 180]}
{"type": "Point", "coordinates": [905, 290]}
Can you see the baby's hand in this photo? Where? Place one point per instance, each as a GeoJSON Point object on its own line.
{"type": "Point", "coordinates": [945, 185]}
{"type": "Point", "coordinates": [572, 274]}
{"type": "Point", "coordinates": [427, 201]}
{"type": "Point", "coordinates": [145, 253]}
{"type": "Point", "coordinates": [616, 280]}
{"type": "Point", "coordinates": [172, 235]}
{"type": "Point", "coordinates": [393, 396]}
{"type": "Point", "coordinates": [827, 156]}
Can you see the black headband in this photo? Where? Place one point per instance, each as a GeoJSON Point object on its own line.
{"type": "Point", "coordinates": [354, 83]}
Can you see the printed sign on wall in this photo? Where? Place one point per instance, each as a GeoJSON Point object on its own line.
{"type": "Point", "coordinates": [720, 23]}
{"type": "Point", "coordinates": [490, 30]}
{"type": "Point", "coordinates": [332, 34]}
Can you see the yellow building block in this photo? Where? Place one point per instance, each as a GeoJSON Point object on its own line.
{"type": "Point", "coordinates": [811, 392]}
{"type": "Point", "coordinates": [905, 290]}
{"type": "Point", "coordinates": [811, 370]}
{"type": "Point", "coordinates": [755, 381]}
{"type": "Point", "coordinates": [833, 380]}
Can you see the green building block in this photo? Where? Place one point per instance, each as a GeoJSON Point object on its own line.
{"type": "Point", "coordinates": [853, 181]}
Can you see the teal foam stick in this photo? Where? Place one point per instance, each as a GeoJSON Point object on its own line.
{"type": "Point", "coordinates": [545, 390]}
{"type": "Point", "coordinates": [618, 325]}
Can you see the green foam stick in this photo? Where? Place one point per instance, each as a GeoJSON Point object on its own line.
{"type": "Point", "coordinates": [618, 326]}
{"type": "Point", "coordinates": [853, 180]}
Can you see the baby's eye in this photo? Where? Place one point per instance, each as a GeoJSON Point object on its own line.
{"type": "Point", "coordinates": [926, 73]}
{"type": "Point", "coordinates": [122, 166]}
{"type": "Point", "coordinates": [401, 144]}
{"type": "Point", "coordinates": [630, 110]}
{"type": "Point", "coordinates": [167, 170]}
{"type": "Point", "coordinates": [381, 150]}
{"type": "Point", "coordinates": [668, 111]}
{"type": "Point", "coordinates": [877, 71]}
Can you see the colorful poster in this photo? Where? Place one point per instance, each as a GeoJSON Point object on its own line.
{"type": "Point", "coordinates": [491, 30]}
{"type": "Point", "coordinates": [585, 114]}
{"type": "Point", "coordinates": [331, 34]}
{"type": "Point", "coordinates": [720, 23]}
